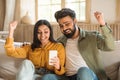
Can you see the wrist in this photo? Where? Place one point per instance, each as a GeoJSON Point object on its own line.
{"type": "Point", "coordinates": [11, 35]}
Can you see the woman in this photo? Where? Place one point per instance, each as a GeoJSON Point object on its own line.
{"type": "Point", "coordinates": [38, 53]}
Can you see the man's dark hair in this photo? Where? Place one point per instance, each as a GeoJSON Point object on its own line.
{"type": "Point", "coordinates": [65, 12]}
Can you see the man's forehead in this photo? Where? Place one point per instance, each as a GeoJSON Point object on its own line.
{"type": "Point", "coordinates": [64, 22]}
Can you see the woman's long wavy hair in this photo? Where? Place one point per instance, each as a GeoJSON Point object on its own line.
{"type": "Point", "coordinates": [36, 42]}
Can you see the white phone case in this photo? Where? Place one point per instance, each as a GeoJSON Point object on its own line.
{"type": "Point", "coordinates": [52, 54]}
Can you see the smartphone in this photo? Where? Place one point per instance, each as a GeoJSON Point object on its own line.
{"type": "Point", "coordinates": [52, 54]}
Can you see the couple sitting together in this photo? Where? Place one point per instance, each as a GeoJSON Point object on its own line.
{"type": "Point", "coordinates": [77, 50]}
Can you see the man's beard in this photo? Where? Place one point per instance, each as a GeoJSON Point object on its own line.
{"type": "Point", "coordinates": [70, 35]}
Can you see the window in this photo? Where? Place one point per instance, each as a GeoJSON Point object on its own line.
{"type": "Point", "coordinates": [47, 8]}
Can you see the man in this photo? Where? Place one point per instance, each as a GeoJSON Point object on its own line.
{"type": "Point", "coordinates": [82, 47]}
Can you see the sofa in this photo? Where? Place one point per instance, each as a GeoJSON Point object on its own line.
{"type": "Point", "coordinates": [9, 65]}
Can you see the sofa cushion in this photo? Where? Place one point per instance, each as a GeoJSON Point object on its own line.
{"type": "Point", "coordinates": [1, 79]}
{"type": "Point", "coordinates": [8, 65]}
{"type": "Point", "coordinates": [111, 57]}
{"type": "Point", "coordinates": [113, 71]}
{"type": "Point", "coordinates": [111, 61]}
{"type": "Point", "coordinates": [119, 74]}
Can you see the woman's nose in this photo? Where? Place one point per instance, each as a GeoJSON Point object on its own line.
{"type": "Point", "coordinates": [42, 35]}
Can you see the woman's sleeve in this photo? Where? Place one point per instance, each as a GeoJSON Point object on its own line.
{"type": "Point", "coordinates": [17, 52]}
{"type": "Point", "coordinates": [61, 55]}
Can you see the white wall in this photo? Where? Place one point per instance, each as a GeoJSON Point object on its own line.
{"type": "Point", "coordinates": [107, 7]}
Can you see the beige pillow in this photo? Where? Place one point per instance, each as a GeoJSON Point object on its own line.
{"type": "Point", "coordinates": [8, 65]}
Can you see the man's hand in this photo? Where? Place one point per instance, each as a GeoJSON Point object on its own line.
{"type": "Point", "coordinates": [99, 17]}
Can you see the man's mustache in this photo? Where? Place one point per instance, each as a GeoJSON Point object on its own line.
{"type": "Point", "coordinates": [67, 30]}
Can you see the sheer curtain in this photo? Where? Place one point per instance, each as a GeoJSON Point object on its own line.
{"type": "Point", "coordinates": [16, 9]}
{"type": "Point", "coordinates": [2, 14]}
{"type": "Point", "coordinates": [9, 13]}
{"type": "Point", "coordinates": [118, 11]}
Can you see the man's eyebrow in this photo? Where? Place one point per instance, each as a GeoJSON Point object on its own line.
{"type": "Point", "coordinates": [64, 22]}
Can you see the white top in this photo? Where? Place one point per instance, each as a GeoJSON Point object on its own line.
{"type": "Point", "coordinates": [74, 60]}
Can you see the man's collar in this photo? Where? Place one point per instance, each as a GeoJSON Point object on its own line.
{"type": "Point", "coordinates": [82, 33]}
